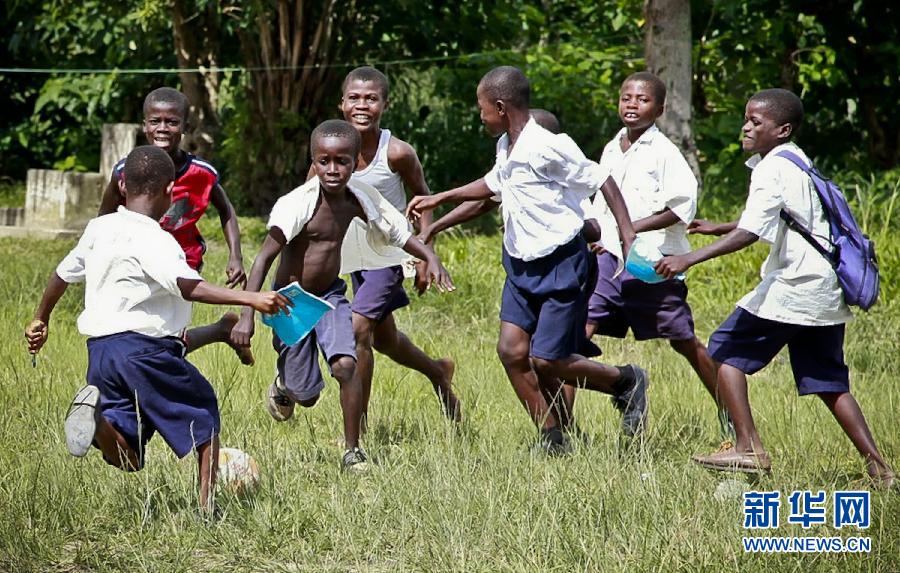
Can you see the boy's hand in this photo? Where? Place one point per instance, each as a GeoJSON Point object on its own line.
{"type": "Point", "coordinates": [243, 331]}
{"type": "Point", "coordinates": [36, 334]}
{"type": "Point", "coordinates": [671, 266]}
{"type": "Point", "coordinates": [421, 203]}
{"type": "Point", "coordinates": [421, 280]}
{"type": "Point", "coordinates": [703, 227]}
{"type": "Point", "coordinates": [438, 275]}
{"type": "Point", "coordinates": [270, 302]}
{"type": "Point", "coordinates": [235, 273]}
{"type": "Point", "coordinates": [596, 248]}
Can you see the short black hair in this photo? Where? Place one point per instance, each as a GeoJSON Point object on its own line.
{"type": "Point", "coordinates": [148, 170]}
{"type": "Point", "coordinates": [508, 84]}
{"type": "Point", "coordinates": [656, 84]}
{"type": "Point", "coordinates": [782, 105]}
{"type": "Point", "coordinates": [336, 128]}
{"type": "Point", "coordinates": [546, 119]}
{"type": "Point", "coordinates": [168, 96]}
{"type": "Point", "coordinates": [368, 74]}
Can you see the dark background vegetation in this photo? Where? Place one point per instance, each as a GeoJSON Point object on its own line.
{"type": "Point", "coordinates": [841, 56]}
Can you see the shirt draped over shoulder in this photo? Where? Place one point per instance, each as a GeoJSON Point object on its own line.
{"type": "Point", "coordinates": [653, 176]}
{"type": "Point", "coordinates": [385, 231]}
{"type": "Point", "coordinates": [544, 183]}
{"type": "Point", "coordinates": [798, 285]}
{"type": "Point", "coordinates": [130, 267]}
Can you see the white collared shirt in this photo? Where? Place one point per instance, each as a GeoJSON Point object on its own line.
{"type": "Point", "coordinates": [374, 244]}
{"type": "Point", "coordinates": [652, 176]}
{"type": "Point", "coordinates": [798, 285]}
{"type": "Point", "coordinates": [544, 184]}
{"type": "Point", "coordinates": [130, 268]}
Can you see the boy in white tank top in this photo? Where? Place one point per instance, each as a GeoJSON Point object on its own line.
{"type": "Point", "coordinates": [391, 166]}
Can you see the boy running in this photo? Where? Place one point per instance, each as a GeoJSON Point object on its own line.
{"type": "Point", "coordinates": [196, 186]}
{"type": "Point", "coordinates": [391, 166]}
{"type": "Point", "coordinates": [544, 182]}
{"type": "Point", "coordinates": [138, 289]}
{"type": "Point", "coordinates": [798, 303]}
{"type": "Point", "coordinates": [307, 226]}
{"type": "Point", "coordinates": [661, 194]}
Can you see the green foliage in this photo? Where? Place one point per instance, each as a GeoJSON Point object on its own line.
{"type": "Point", "coordinates": [58, 116]}
{"type": "Point", "coordinates": [838, 55]}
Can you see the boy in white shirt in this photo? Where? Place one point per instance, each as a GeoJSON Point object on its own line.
{"type": "Point", "coordinates": [307, 227]}
{"type": "Point", "coordinates": [661, 194]}
{"type": "Point", "coordinates": [544, 182]}
{"type": "Point", "coordinates": [138, 288]}
{"type": "Point", "coordinates": [798, 303]}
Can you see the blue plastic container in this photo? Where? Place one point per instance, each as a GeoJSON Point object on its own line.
{"type": "Point", "coordinates": [641, 259]}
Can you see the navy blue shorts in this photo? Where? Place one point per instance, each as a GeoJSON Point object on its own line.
{"type": "Point", "coordinates": [749, 343]}
{"type": "Point", "coordinates": [547, 298]}
{"type": "Point", "coordinates": [147, 386]}
{"type": "Point", "coordinates": [298, 364]}
{"type": "Point", "coordinates": [657, 310]}
{"type": "Point", "coordinates": [378, 292]}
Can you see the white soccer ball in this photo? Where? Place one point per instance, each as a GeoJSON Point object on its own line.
{"type": "Point", "coordinates": [238, 471]}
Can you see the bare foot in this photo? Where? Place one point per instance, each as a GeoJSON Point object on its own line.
{"type": "Point", "coordinates": [244, 353]}
{"type": "Point", "coordinates": [882, 477]}
{"type": "Point", "coordinates": [443, 387]}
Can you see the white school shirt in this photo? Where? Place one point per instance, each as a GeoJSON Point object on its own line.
{"type": "Point", "coordinates": [356, 251]}
{"type": "Point", "coordinates": [798, 285]}
{"type": "Point", "coordinates": [385, 232]}
{"type": "Point", "coordinates": [544, 184]}
{"type": "Point", "coordinates": [652, 176]}
{"type": "Point", "coordinates": [130, 268]}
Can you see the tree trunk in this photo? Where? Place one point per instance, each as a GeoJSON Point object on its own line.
{"type": "Point", "coordinates": [196, 46]}
{"type": "Point", "coordinates": [667, 50]}
{"type": "Point", "coordinates": [289, 47]}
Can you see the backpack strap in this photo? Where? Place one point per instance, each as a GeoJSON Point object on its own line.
{"type": "Point", "coordinates": [792, 224]}
{"type": "Point", "coordinates": [789, 219]}
{"type": "Point", "coordinates": [795, 159]}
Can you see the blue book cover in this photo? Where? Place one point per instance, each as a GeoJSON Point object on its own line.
{"type": "Point", "coordinates": [306, 312]}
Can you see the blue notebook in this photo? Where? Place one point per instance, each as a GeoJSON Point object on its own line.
{"type": "Point", "coordinates": [306, 312]}
{"type": "Point", "coordinates": [641, 259]}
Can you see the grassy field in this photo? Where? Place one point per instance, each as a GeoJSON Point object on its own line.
{"type": "Point", "coordinates": [440, 498]}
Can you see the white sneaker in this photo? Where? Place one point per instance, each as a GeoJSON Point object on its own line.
{"type": "Point", "coordinates": [81, 420]}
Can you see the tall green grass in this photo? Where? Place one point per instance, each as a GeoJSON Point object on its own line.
{"type": "Point", "coordinates": [439, 498]}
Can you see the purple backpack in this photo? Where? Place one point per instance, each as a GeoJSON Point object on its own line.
{"type": "Point", "coordinates": [852, 254]}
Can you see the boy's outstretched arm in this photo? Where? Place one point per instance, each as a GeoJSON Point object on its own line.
{"type": "Point", "coordinates": [197, 290]}
{"type": "Point", "coordinates": [271, 247]}
{"type": "Point", "coordinates": [434, 271]}
{"type": "Point", "coordinates": [661, 220]}
{"type": "Point", "coordinates": [475, 190]}
{"type": "Point", "coordinates": [37, 332]}
{"type": "Point", "coordinates": [704, 227]}
{"type": "Point", "coordinates": [232, 231]}
{"type": "Point", "coordinates": [616, 204]}
{"type": "Point", "coordinates": [461, 214]}
{"type": "Point", "coordinates": [736, 240]}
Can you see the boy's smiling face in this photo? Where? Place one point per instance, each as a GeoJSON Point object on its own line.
{"type": "Point", "coordinates": [492, 113]}
{"type": "Point", "coordinates": [638, 108]}
{"type": "Point", "coordinates": [164, 126]}
{"type": "Point", "coordinates": [362, 104]}
{"type": "Point", "coordinates": [333, 159]}
{"type": "Point", "coordinates": [761, 132]}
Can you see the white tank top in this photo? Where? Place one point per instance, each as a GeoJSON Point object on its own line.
{"type": "Point", "coordinates": [378, 174]}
